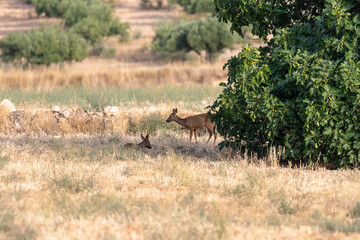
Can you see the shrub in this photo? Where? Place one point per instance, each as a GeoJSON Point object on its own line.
{"type": "Point", "coordinates": [91, 29]}
{"type": "Point", "coordinates": [43, 46]}
{"type": "Point", "coordinates": [90, 18]}
{"type": "Point", "coordinates": [300, 92]}
{"type": "Point", "coordinates": [51, 8]}
{"type": "Point", "coordinates": [206, 34]}
{"type": "Point", "coordinates": [196, 6]}
{"type": "Point", "coordinates": [150, 4]}
{"type": "Point", "coordinates": [85, 20]}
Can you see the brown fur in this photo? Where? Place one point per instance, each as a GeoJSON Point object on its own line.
{"type": "Point", "coordinates": [144, 144]}
{"type": "Point", "coordinates": [193, 123]}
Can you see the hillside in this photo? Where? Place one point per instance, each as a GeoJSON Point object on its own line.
{"type": "Point", "coordinates": [133, 65]}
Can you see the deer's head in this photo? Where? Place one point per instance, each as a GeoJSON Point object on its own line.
{"type": "Point", "coordinates": [172, 116]}
{"type": "Point", "coordinates": [145, 143]}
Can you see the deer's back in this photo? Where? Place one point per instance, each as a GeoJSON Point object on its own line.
{"type": "Point", "coordinates": [198, 121]}
{"type": "Point", "coordinates": [130, 145]}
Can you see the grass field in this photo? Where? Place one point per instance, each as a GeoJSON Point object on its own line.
{"type": "Point", "coordinates": [86, 185]}
{"type": "Point", "coordinates": [192, 97]}
{"type": "Point", "coordinates": [90, 187]}
{"type": "Point", "coordinates": [71, 178]}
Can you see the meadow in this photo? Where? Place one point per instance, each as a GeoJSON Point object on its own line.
{"type": "Point", "coordinates": [73, 179]}
{"type": "Point", "coordinates": [84, 184]}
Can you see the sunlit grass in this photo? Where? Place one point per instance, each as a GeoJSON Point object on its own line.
{"type": "Point", "coordinates": [86, 186]}
{"type": "Point", "coordinates": [96, 99]}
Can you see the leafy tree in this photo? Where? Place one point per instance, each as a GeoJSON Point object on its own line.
{"type": "Point", "coordinates": [196, 6]}
{"type": "Point", "coordinates": [206, 34]}
{"type": "Point", "coordinates": [51, 8]}
{"type": "Point", "coordinates": [301, 91]}
{"type": "Point", "coordinates": [85, 21]}
{"type": "Point", "coordinates": [90, 18]}
{"type": "Point", "coordinates": [43, 46]}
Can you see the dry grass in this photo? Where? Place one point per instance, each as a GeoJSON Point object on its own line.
{"type": "Point", "coordinates": [70, 178]}
{"type": "Point", "coordinates": [91, 188]}
{"type": "Point", "coordinates": [102, 73]}
{"type": "Point", "coordinates": [128, 120]}
{"type": "Point", "coordinates": [133, 65]}
{"type": "Point", "coordinates": [70, 181]}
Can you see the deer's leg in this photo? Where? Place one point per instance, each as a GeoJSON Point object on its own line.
{"type": "Point", "coordinates": [215, 136]}
{"type": "Point", "coordinates": [191, 133]}
{"type": "Point", "coordinates": [195, 135]}
{"type": "Point", "coordinates": [210, 135]}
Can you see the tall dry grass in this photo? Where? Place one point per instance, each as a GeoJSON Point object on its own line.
{"type": "Point", "coordinates": [127, 120]}
{"type": "Point", "coordinates": [88, 187]}
{"type": "Point", "coordinates": [98, 73]}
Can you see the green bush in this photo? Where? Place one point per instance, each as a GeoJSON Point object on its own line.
{"type": "Point", "coordinates": [91, 29]}
{"type": "Point", "coordinates": [43, 46]}
{"type": "Point", "coordinates": [196, 6]}
{"type": "Point", "coordinates": [151, 4]}
{"type": "Point", "coordinates": [206, 34]}
{"type": "Point", "coordinates": [51, 8]}
{"type": "Point", "coordinates": [90, 18]}
{"type": "Point", "coordinates": [302, 91]}
{"type": "Point", "coordinates": [85, 20]}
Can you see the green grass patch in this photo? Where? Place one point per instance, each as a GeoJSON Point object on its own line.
{"type": "Point", "coordinates": [191, 96]}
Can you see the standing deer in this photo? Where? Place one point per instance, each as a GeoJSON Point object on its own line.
{"type": "Point", "coordinates": [144, 144]}
{"type": "Point", "coordinates": [193, 123]}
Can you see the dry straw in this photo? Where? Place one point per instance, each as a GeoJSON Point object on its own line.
{"type": "Point", "coordinates": [104, 74]}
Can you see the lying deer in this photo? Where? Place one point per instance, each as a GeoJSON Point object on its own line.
{"type": "Point", "coordinates": [193, 123]}
{"type": "Point", "coordinates": [144, 144]}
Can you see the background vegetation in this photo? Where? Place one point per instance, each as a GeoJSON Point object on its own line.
{"type": "Point", "coordinates": [92, 19]}
{"type": "Point", "coordinates": [300, 92]}
{"type": "Point", "coordinates": [196, 6]}
{"type": "Point", "coordinates": [84, 20]}
{"type": "Point", "coordinates": [43, 46]}
{"type": "Point", "coordinates": [207, 34]}
{"type": "Point", "coordinates": [69, 177]}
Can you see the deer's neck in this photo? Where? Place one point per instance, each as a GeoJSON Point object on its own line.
{"type": "Point", "coordinates": [181, 121]}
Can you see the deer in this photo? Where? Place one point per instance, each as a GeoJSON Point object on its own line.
{"type": "Point", "coordinates": [144, 144]}
{"type": "Point", "coordinates": [193, 123]}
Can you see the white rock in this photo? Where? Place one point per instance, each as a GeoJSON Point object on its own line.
{"type": "Point", "coordinates": [66, 113]}
{"type": "Point", "coordinates": [56, 109]}
{"type": "Point", "coordinates": [8, 105]}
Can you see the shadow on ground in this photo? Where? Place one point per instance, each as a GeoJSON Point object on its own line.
{"type": "Point", "coordinates": [99, 145]}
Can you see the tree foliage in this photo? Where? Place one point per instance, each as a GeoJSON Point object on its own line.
{"type": "Point", "coordinates": [206, 34]}
{"type": "Point", "coordinates": [85, 21]}
{"type": "Point", "coordinates": [265, 15]}
{"type": "Point", "coordinates": [302, 91]}
{"type": "Point", "coordinates": [196, 6]}
{"type": "Point", "coordinates": [90, 18]}
{"type": "Point", "coordinates": [43, 46]}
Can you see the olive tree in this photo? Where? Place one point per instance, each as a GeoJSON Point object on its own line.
{"type": "Point", "coordinates": [206, 34]}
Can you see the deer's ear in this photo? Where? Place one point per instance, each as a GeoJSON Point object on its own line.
{"type": "Point", "coordinates": [175, 110]}
{"type": "Point", "coordinates": [142, 137]}
{"type": "Point", "coordinates": [147, 137]}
